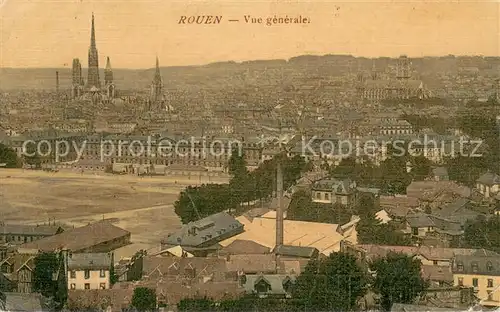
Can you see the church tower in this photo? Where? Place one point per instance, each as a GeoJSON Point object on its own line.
{"type": "Point", "coordinates": [77, 79]}
{"type": "Point", "coordinates": [108, 80]}
{"type": "Point", "coordinates": [156, 96]}
{"type": "Point", "coordinates": [403, 70]}
{"type": "Point", "coordinates": [93, 71]}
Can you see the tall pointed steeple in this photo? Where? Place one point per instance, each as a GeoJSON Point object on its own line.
{"type": "Point", "coordinates": [157, 77]}
{"type": "Point", "coordinates": [93, 72]}
{"type": "Point", "coordinates": [92, 33]}
{"type": "Point", "coordinates": [108, 73]}
{"type": "Point", "coordinates": [156, 95]}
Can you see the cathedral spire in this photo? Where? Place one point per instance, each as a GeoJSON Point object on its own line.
{"type": "Point", "coordinates": [157, 77]}
{"type": "Point", "coordinates": [92, 33]}
{"type": "Point", "coordinates": [93, 71]}
{"type": "Point", "coordinates": [108, 64]}
{"type": "Point", "coordinates": [108, 72]}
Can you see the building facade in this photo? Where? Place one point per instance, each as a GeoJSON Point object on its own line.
{"type": "Point", "coordinates": [481, 273]}
{"type": "Point", "coordinates": [89, 271]}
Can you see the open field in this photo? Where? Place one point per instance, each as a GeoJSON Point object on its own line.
{"type": "Point", "coordinates": [143, 206]}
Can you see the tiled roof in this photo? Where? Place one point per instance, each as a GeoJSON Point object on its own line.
{"type": "Point", "coordinates": [206, 231]}
{"type": "Point", "coordinates": [323, 236]}
{"type": "Point", "coordinates": [489, 178]}
{"type": "Point", "coordinates": [240, 247]}
{"type": "Point", "coordinates": [89, 261]}
{"type": "Point", "coordinates": [155, 268]}
{"type": "Point", "coordinates": [477, 264]}
{"type": "Point", "coordinates": [252, 264]}
{"type": "Point", "coordinates": [296, 251]}
{"type": "Point", "coordinates": [35, 230]}
{"type": "Point", "coordinates": [79, 239]}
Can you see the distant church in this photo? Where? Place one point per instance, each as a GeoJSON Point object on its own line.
{"type": "Point", "coordinates": [157, 101]}
{"type": "Point", "coordinates": [92, 89]}
{"type": "Point", "coordinates": [403, 87]}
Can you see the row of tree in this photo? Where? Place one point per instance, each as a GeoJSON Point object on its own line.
{"type": "Point", "coordinates": [9, 157]}
{"type": "Point", "coordinates": [391, 177]}
{"type": "Point", "coordinates": [245, 186]}
{"type": "Point", "coordinates": [335, 283]}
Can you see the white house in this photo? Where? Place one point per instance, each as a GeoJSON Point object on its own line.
{"type": "Point", "coordinates": [89, 271]}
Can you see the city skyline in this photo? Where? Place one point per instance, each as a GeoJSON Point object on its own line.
{"type": "Point", "coordinates": [359, 29]}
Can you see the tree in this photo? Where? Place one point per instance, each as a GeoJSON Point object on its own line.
{"type": "Point", "coordinates": [237, 165]}
{"type": "Point", "coordinates": [9, 157]}
{"type": "Point", "coordinates": [144, 299]}
{"type": "Point", "coordinates": [398, 279]}
{"type": "Point", "coordinates": [371, 231]}
{"type": "Point", "coordinates": [331, 284]}
{"type": "Point", "coordinates": [31, 157]}
{"type": "Point", "coordinates": [422, 167]}
{"type": "Point", "coordinates": [483, 233]}
{"type": "Point", "coordinates": [196, 304]}
{"type": "Point", "coordinates": [46, 264]}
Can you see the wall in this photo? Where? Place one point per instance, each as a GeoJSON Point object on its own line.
{"type": "Point", "coordinates": [482, 289]}
{"type": "Point", "coordinates": [94, 280]}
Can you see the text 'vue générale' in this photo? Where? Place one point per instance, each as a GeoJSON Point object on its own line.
{"type": "Point", "coordinates": [246, 19]}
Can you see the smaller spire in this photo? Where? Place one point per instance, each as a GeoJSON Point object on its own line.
{"type": "Point", "coordinates": [108, 63]}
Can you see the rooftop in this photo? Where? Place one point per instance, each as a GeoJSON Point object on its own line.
{"type": "Point", "coordinates": [206, 231]}
{"type": "Point", "coordinates": [90, 261]}
{"type": "Point", "coordinates": [79, 239]}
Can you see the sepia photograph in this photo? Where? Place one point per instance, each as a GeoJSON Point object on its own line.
{"type": "Point", "coordinates": [217, 155]}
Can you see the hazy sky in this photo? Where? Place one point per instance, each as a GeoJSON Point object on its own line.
{"type": "Point", "coordinates": [50, 33]}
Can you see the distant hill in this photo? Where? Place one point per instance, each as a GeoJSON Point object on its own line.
{"type": "Point", "coordinates": [223, 74]}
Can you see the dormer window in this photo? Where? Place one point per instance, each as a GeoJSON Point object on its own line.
{"type": "Point", "coordinates": [474, 267]}
{"type": "Point", "coordinates": [489, 266]}
{"type": "Point", "coordinates": [460, 266]}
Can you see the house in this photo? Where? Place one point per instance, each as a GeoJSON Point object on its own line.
{"type": "Point", "coordinates": [440, 174]}
{"type": "Point", "coordinates": [422, 225]}
{"type": "Point", "coordinates": [436, 193]}
{"type": "Point", "coordinates": [429, 256]}
{"type": "Point", "coordinates": [190, 270]}
{"type": "Point", "coordinates": [98, 237]}
{"type": "Point", "coordinates": [488, 184]}
{"type": "Point", "coordinates": [17, 273]}
{"type": "Point", "coordinates": [480, 272]}
{"type": "Point", "coordinates": [397, 207]}
{"type": "Point", "coordinates": [331, 191]}
{"type": "Point", "coordinates": [89, 271]}
{"type": "Point", "coordinates": [269, 285]}
{"type": "Point", "coordinates": [20, 234]}
{"type": "Point", "coordinates": [202, 236]}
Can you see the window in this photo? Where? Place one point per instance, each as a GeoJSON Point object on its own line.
{"type": "Point", "coordinates": [87, 286]}
{"type": "Point", "coordinates": [490, 282]}
{"type": "Point", "coordinates": [460, 281]}
{"type": "Point", "coordinates": [490, 295]}
{"type": "Point", "coordinates": [102, 286]}
{"type": "Point", "coordinates": [414, 231]}
{"type": "Point", "coordinates": [73, 286]}
{"type": "Point", "coordinates": [474, 267]}
{"type": "Point", "coordinates": [489, 266]}
{"type": "Point", "coordinates": [72, 274]}
{"type": "Point", "coordinates": [460, 266]}
{"type": "Point", "coordinates": [475, 283]}
{"type": "Point", "coordinates": [102, 273]}
{"type": "Point", "coordinates": [327, 196]}
{"type": "Point", "coordinates": [318, 195]}
{"type": "Point", "coordinates": [87, 274]}
{"type": "Point", "coordinates": [435, 262]}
